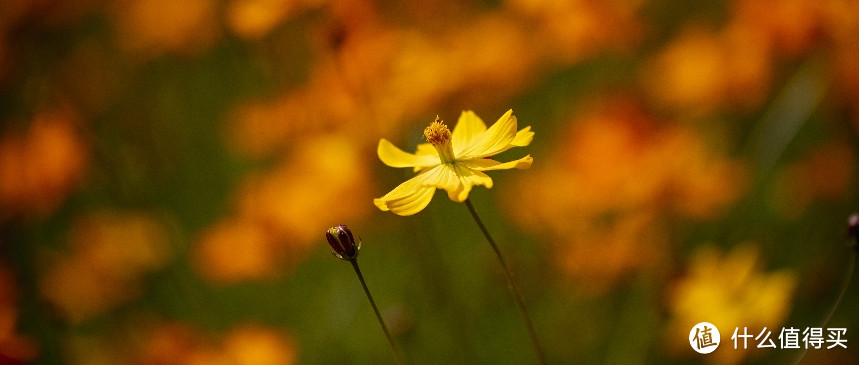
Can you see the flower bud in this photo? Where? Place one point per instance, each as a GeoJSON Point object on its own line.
{"type": "Point", "coordinates": [853, 227]}
{"type": "Point", "coordinates": [342, 243]}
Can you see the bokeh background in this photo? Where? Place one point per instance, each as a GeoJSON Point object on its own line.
{"type": "Point", "coordinates": [168, 169]}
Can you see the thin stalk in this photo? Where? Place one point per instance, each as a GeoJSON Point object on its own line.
{"type": "Point", "coordinates": [510, 284]}
{"type": "Point", "coordinates": [376, 310]}
{"type": "Point", "coordinates": [845, 284]}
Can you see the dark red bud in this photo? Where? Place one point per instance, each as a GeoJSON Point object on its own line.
{"type": "Point", "coordinates": [853, 226]}
{"type": "Point", "coordinates": [342, 242]}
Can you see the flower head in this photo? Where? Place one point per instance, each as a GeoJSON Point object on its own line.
{"type": "Point", "coordinates": [453, 161]}
{"type": "Point", "coordinates": [343, 245]}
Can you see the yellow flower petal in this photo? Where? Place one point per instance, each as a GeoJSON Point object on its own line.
{"type": "Point", "coordinates": [395, 157]}
{"type": "Point", "coordinates": [410, 204]}
{"type": "Point", "coordinates": [467, 178]}
{"type": "Point", "coordinates": [442, 176]}
{"type": "Point", "coordinates": [467, 128]}
{"type": "Point", "coordinates": [523, 137]}
{"type": "Point", "coordinates": [426, 149]}
{"type": "Point", "coordinates": [485, 164]}
{"type": "Point", "coordinates": [408, 198]}
{"type": "Point", "coordinates": [493, 140]}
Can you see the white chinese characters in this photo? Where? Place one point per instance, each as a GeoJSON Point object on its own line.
{"type": "Point", "coordinates": [792, 338]}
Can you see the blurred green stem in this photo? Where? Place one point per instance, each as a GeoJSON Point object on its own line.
{"type": "Point", "coordinates": [845, 284]}
{"type": "Point", "coordinates": [790, 109]}
{"type": "Point", "coordinates": [510, 283]}
{"type": "Point", "coordinates": [376, 310]}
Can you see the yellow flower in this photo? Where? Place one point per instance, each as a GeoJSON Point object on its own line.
{"type": "Point", "coordinates": [452, 161]}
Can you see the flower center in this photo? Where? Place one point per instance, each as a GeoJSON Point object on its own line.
{"type": "Point", "coordinates": [437, 132]}
{"type": "Point", "coordinates": [439, 136]}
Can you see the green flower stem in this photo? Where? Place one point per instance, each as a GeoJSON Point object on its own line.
{"type": "Point", "coordinates": [376, 310]}
{"type": "Point", "coordinates": [845, 284]}
{"type": "Point", "coordinates": [511, 284]}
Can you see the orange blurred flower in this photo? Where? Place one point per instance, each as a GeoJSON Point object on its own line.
{"type": "Point", "coordinates": [367, 85]}
{"type": "Point", "coordinates": [847, 80]}
{"type": "Point", "coordinates": [729, 291]}
{"type": "Point", "coordinates": [363, 78]}
{"type": "Point", "coordinates": [165, 343]}
{"type": "Point", "coordinates": [790, 27]}
{"type": "Point", "coordinates": [237, 249]}
{"type": "Point", "coordinates": [39, 169]}
{"type": "Point", "coordinates": [110, 252]}
{"type": "Point", "coordinates": [597, 256]}
{"type": "Point", "coordinates": [14, 348]}
{"type": "Point", "coordinates": [256, 345]}
{"type": "Point", "coordinates": [824, 175]}
{"type": "Point", "coordinates": [622, 173]}
{"type": "Point", "coordinates": [253, 19]}
{"type": "Point", "coordinates": [700, 71]}
{"type": "Point", "coordinates": [246, 344]}
{"type": "Point", "coordinates": [574, 29]}
{"type": "Point", "coordinates": [844, 23]}
{"type": "Point", "coordinates": [279, 213]}
{"type": "Point", "coordinates": [324, 180]}
{"type": "Point", "coordinates": [152, 27]}
{"type": "Point", "coordinates": [795, 28]}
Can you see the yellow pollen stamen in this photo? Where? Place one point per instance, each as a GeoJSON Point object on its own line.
{"type": "Point", "coordinates": [437, 133]}
{"type": "Point", "coordinates": [439, 136]}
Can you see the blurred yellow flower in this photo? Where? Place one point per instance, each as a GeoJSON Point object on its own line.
{"type": "Point", "coordinates": [452, 161]}
{"type": "Point", "coordinates": [729, 291]}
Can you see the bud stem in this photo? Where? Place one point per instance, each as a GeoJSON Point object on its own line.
{"type": "Point", "coordinates": [376, 310]}
{"type": "Point", "coordinates": [510, 284]}
{"type": "Point", "coordinates": [846, 283]}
